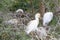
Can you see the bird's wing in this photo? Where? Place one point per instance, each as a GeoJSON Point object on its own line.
{"type": "Point", "coordinates": [47, 17]}
{"type": "Point", "coordinates": [30, 26]}
{"type": "Point", "coordinates": [30, 22]}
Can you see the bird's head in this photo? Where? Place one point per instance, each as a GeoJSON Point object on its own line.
{"type": "Point", "coordinates": [19, 11]}
{"type": "Point", "coordinates": [37, 15]}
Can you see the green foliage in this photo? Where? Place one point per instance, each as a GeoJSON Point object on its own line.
{"type": "Point", "coordinates": [15, 4]}
{"type": "Point", "coordinates": [54, 21]}
{"type": "Point", "coordinates": [9, 33]}
{"type": "Point", "coordinates": [50, 5]}
{"type": "Point", "coordinates": [26, 5]}
{"type": "Point", "coordinates": [1, 20]}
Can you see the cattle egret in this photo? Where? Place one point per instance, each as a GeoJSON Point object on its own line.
{"type": "Point", "coordinates": [47, 18]}
{"type": "Point", "coordinates": [20, 13]}
{"type": "Point", "coordinates": [42, 33]}
{"type": "Point", "coordinates": [19, 10]}
{"type": "Point", "coordinates": [32, 25]}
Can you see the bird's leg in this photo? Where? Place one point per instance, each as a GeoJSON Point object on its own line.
{"type": "Point", "coordinates": [32, 35]}
{"type": "Point", "coordinates": [41, 38]}
{"type": "Point", "coordinates": [37, 37]}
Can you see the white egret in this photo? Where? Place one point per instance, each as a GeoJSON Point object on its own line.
{"type": "Point", "coordinates": [47, 17]}
{"type": "Point", "coordinates": [42, 33]}
{"type": "Point", "coordinates": [19, 10]}
{"type": "Point", "coordinates": [19, 13]}
{"type": "Point", "coordinates": [32, 25]}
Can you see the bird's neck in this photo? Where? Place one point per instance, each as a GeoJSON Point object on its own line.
{"type": "Point", "coordinates": [37, 19]}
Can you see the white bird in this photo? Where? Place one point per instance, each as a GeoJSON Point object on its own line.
{"type": "Point", "coordinates": [32, 25]}
{"type": "Point", "coordinates": [20, 13]}
{"type": "Point", "coordinates": [42, 33]}
{"type": "Point", "coordinates": [19, 10]}
{"type": "Point", "coordinates": [47, 17]}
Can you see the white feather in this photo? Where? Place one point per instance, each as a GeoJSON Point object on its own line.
{"type": "Point", "coordinates": [19, 10]}
{"type": "Point", "coordinates": [42, 33]}
{"type": "Point", "coordinates": [47, 18]}
{"type": "Point", "coordinates": [32, 25]}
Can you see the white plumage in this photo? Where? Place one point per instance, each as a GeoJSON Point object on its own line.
{"type": "Point", "coordinates": [19, 10]}
{"type": "Point", "coordinates": [32, 25]}
{"type": "Point", "coordinates": [42, 33]}
{"type": "Point", "coordinates": [47, 18]}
